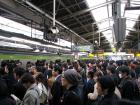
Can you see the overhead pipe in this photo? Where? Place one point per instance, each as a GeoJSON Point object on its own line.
{"type": "Point", "coordinates": [54, 14]}
{"type": "Point", "coordinates": [48, 16]}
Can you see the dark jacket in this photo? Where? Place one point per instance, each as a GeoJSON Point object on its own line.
{"type": "Point", "coordinates": [137, 70]}
{"type": "Point", "coordinates": [7, 101]}
{"type": "Point", "coordinates": [10, 81]}
{"type": "Point", "coordinates": [127, 89]}
{"type": "Point", "coordinates": [136, 90]}
{"type": "Point", "coordinates": [57, 92]}
{"type": "Point", "coordinates": [88, 88]}
{"type": "Point", "coordinates": [110, 99]}
{"type": "Point", "coordinates": [72, 96]}
{"type": "Point", "coordinates": [19, 90]}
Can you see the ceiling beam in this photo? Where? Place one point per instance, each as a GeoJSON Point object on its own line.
{"type": "Point", "coordinates": [91, 33]}
{"type": "Point", "coordinates": [32, 12]}
{"type": "Point", "coordinates": [44, 4]}
{"type": "Point", "coordinates": [60, 1]}
{"type": "Point", "coordinates": [15, 8]}
{"type": "Point", "coordinates": [78, 3]}
{"type": "Point", "coordinates": [97, 22]}
{"type": "Point", "coordinates": [86, 10]}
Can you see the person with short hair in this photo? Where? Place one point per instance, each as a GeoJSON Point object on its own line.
{"type": "Point", "coordinates": [41, 83]}
{"type": "Point", "coordinates": [106, 91]}
{"type": "Point", "coordinates": [126, 85]}
{"type": "Point", "coordinates": [56, 90]}
{"type": "Point", "coordinates": [18, 89]}
{"type": "Point", "coordinates": [32, 94]}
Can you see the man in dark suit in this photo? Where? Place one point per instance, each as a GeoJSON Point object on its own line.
{"type": "Point", "coordinates": [57, 90]}
{"type": "Point", "coordinates": [18, 89]}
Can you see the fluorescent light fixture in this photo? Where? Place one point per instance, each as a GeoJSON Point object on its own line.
{"type": "Point", "coordinates": [15, 45]}
{"type": "Point", "coordinates": [12, 26]}
{"type": "Point", "coordinates": [36, 50]}
{"type": "Point", "coordinates": [25, 41]}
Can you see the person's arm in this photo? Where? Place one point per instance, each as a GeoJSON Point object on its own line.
{"type": "Point", "coordinates": [94, 95]}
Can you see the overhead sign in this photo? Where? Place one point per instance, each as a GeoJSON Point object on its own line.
{"type": "Point", "coordinates": [87, 48]}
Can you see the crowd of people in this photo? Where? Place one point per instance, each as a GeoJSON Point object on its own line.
{"type": "Point", "coordinates": [91, 82]}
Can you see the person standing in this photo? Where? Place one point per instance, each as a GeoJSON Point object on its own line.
{"type": "Point", "coordinates": [32, 94]}
{"type": "Point", "coordinates": [56, 90]}
{"type": "Point", "coordinates": [72, 95]}
{"type": "Point", "coordinates": [106, 91]}
{"type": "Point", "coordinates": [18, 89]}
{"type": "Point", "coordinates": [126, 85]}
{"type": "Point", "coordinates": [4, 97]}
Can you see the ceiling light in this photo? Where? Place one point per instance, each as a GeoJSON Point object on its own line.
{"type": "Point", "coordinates": [44, 51]}
{"type": "Point", "coordinates": [37, 50]}
{"type": "Point", "coordinates": [54, 30]}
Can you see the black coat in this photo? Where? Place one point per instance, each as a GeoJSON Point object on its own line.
{"type": "Point", "coordinates": [88, 88]}
{"type": "Point", "coordinates": [110, 99]}
{"type": "Point", "coordinates": [72, 96]}
{"type": "Point", "coordinates": [57, 92]}
{"type": "Point", "coordinates": [127, 89]}
{"type": "Point", "coordinates": [19, 90]}
{"type": "Point", "coordinates": [10, 81]}
{"type": "Point", "coordinates": [7, 101]}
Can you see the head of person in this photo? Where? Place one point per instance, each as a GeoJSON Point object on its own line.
{"type": "Point", "coordinates": [56, 70]}
{"type": "Point", "coordinates": [29, 65]}
{"type": "Point", "coordinates": [4, 67]}
{"type": "Point", "coordinates": [70, 78]}
{"type": "Point", "coordinates": [19, 64]}
{"type": "Point", "coordinates": [105, 85]}
{"type": "Point", "coordinates": [11, 66]}
{"type": "Point", "coordinates": [33, 70]}
{"type": "Point", "coordinates": [132, 66]}
{"type": "Point", "coordinates": [40, 78]}
{"type": "Point", "coordinates": [124, 71]}
{"type": "Point", "coordinates": [64, 66]}
{"type": "Point", "coordinates": [98, 66]}
{"type": "Point", "coordinates": [133, 74]}
{"type": "Point", "coordinates": [90, 64]}
{"type": "Point", "coordinates": [27, 80]}
{"type": "Point", "coordinates": [76, 66]}
{"type": "Point", "coordinates": [97, 75]}
{"type": "Point", "coordinates": [18, 72]}
{"type": "Point", "coordinates": [91, 74]}
{"type": "Point", "coordinates": [50, 67]}
{"type": "Point", "coordinates": [110, 70]}
{"type": "Point", "coordinates": [111, 62]}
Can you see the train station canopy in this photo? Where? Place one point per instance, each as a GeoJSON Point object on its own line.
{"type": "Point", "coordinates": [79, 21]}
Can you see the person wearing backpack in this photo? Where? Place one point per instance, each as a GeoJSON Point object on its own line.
{"type": "Point", "coordinates": [32, 94]}
{"type": "Point", "coordinates": [40, 80]}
